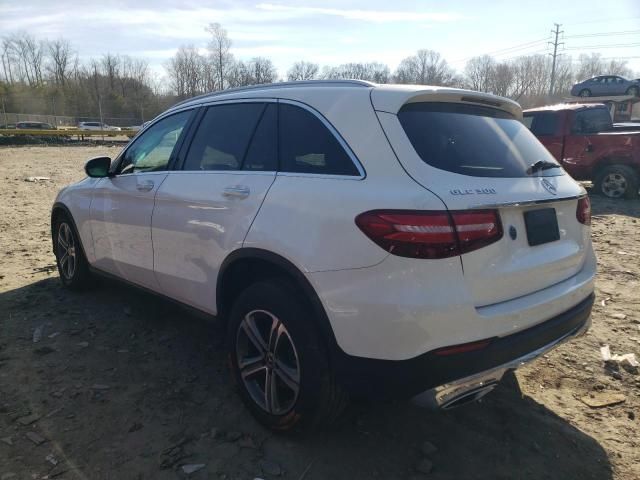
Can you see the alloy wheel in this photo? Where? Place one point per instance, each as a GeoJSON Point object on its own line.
{"type": "Point", "coordinates": [268, 362]}
{"type": "Point", "coordinates": [614, 185]}
{"type": "Point", "coordinates": [66, 251]}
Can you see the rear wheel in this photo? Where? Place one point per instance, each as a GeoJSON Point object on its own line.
{"type": "Point", "coordinates": [72, 264]}
{"type": "Point", "coordinates": [617, 181]}
{"type": "Point", "coordinates": [585, 92]}
{"type": "Point", "coordinates": [278, 361]}
{"type": "Point", "coordinates": [635, 91]}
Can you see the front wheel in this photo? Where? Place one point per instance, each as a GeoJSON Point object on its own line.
{"type": "Point", "coordinates": [617, 181]}
{"type": "Point", "coordinates": [278, 360]}
{"type": "Point", "coordinates": [635, 91]}
{"type": "Point", "coordinates": [585, 92]}
{"type": "Point", "coordinates": [73, 267]}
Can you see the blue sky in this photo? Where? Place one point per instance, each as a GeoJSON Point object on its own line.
{"type": "Point", "coordinates": [331, 32]}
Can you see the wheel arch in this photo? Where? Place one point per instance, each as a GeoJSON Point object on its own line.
{"type": "Point", "coordinates": [61, 209]}
{"type": "Point", "coordinates": [611, 160]}
{"type": "Point", "coordinates": [247, 265]}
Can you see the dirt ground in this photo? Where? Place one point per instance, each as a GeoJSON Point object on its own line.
{"type": "Point", "coordinates": [123, 385]}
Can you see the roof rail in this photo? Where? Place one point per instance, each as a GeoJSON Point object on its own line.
{"type": "Point", "coordinates": [268, 86]}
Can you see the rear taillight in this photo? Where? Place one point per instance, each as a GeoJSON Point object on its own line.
{"type": "Point", "coordinates": [583, 212]}
{"type": "Point", "coordinates": [431, 234]}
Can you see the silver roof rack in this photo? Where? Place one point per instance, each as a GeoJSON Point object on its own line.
{"type": "Point", "coordinates": [268, 86]}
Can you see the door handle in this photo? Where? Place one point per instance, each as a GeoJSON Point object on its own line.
{"type": "Point", "coordinates": [145, 186]}
{"type": "Point", "coordinates": [237, 191]}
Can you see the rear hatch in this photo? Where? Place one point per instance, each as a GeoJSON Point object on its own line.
{"type": "Point", "coordinates": [474, 153]}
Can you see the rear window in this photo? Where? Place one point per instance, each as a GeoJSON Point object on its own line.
{"type": "Point", "coordinates": [542, 124]}
{"type": "Point", "coordinates": [591, 120]}
{"type": "Point", "coordinates": [473, 140]}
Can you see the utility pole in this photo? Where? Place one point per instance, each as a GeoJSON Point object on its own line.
{"type": "Point", "coordinates": [555, 44]}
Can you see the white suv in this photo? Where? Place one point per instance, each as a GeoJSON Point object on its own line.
{"type": "Point", "coordinates": [97, 126]}
{"type": "Point", "coordinates": [357, 239]}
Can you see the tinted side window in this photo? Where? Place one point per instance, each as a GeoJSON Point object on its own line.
{"type": "Point", "coordinates": [307, 146]}
{"type": "Point", "coordinates": [262, 154]}
{"type": "Point", "coordinates": [152, 150]}
{"type": "Point", "coordinates": [592, 120]}
{"type": "Point", "coordinates": [542, 124]}
{"type": "Point", "coordinates": [223, 137]}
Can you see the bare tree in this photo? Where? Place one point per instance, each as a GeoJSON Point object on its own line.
{"type": "Point", "coordinates": [262, 70]}
{"type": "Point", "coordinates": [302, 71]}
{"type": "Point", "coordinates": [523, 76]}
{"type": "Point", "coordinates": [617, 67]}
{"type": "Point", "coordinates": [373, 72]}
{"type": "Point", "coordinates": [239, 75]}
{"type": "Point", "coordinates": [110, 68]}
{"type": "Point", "coordinates": [185, 71]}
{"type": "Point", "coordinates": [426, 67]}
{"type": "Point", "coordinates": [479, 72]}
{"type": "Point", "coordinates": [60, 60]}
{"type": "Point", "coordinates": [7, 59]}
{"type": "Point", "coordinates": [502, 79]}
{"type": "Point", "coordinates": [219, 46]}
{"type": "Point", "coordinates": [589, 65]}
{"type": "Point", "coordinates": [31, 53]}
{"type": "Point", "coordinates": [564, 76]}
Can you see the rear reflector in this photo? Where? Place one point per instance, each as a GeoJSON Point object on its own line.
{"type": "Point", "coordinates": [431, 234]}
{"type": "Point", "coordinates": [462, 348]}
{"type": "Point", "coordinates": [583, 212]}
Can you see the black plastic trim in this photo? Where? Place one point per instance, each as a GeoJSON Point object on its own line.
{"type": "Point", "coordinates": [404, 378]}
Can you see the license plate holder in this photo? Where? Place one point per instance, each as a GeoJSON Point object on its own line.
{"type": "Point", "coordinates": [542, 226]}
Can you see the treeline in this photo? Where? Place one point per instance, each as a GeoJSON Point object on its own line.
{"type": "Point", "coordinates": [47, 77]}
{"type": "Point", "coordinates": [526, 78]}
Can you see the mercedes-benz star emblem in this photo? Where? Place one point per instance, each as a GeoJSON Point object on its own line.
{"type": "Point", "coordinates": [549, 187]}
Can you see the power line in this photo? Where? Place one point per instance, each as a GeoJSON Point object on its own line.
{"type": "Point", "coordinates": [604, 34]}
{"type": "Point", "coordinates": [616, 45]}
{"type": "Point", "coordinates": [518, 50]}
{"type": "Point", "coordinates": [528, 54]}
{"type": "Point", "coordinates": [507, 50]}
{"type": "Point", "coordinates": [518, 47]}
{"type": "Point", "coordinates": [603, 20]}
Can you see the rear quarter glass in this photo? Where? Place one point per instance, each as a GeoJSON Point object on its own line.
{"type": "Point", "coordinates": [473, 140]}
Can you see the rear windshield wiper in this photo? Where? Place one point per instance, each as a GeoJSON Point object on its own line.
{"type": "Point", "coordinates": [541, 165]}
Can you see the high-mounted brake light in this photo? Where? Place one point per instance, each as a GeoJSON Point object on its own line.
{"type": "Point", "coordinates": [431, 234]}
{"type": "Point", "coordinates": [583, 212]}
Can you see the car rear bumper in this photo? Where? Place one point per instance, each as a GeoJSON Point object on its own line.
{"type": "Point", "coordinates": [448, 377]}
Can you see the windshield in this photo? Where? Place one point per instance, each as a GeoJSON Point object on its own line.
{"type": "Point", "coordinates": [473, 140]}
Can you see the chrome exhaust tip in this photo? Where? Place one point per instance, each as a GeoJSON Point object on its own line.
{"type": "Point", "coordinates": [467, 397]}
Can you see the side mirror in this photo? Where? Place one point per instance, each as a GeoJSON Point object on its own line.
{"type": "Point", "coordinates": [98, 167]}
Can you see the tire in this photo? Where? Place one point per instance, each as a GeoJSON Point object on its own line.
{"type": "Point", "coordinates": [271, 335]}
{"type": "Point", "coordinates": [617, 181]}
{"type": "Point", "coordinates": [635, 91]}
{"type": "Point", "coordinates": [585, 92]}
{"type": "Point", "coordinates": [73, 267]}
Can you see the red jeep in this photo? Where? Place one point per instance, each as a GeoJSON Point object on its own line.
{"type": "Point", "coordinates": [589, 147]}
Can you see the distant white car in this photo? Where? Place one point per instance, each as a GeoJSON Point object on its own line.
{"type": "Point", "coordinates": [96, 126]}
{"type": "Point", "coordinates": [355, 239]}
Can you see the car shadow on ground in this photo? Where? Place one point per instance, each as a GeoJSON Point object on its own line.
{"type": "Point", "coordinates": [127, 385]}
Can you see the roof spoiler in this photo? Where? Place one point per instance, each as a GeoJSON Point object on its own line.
{"type": "Point", "coordinates": [391, 98]}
